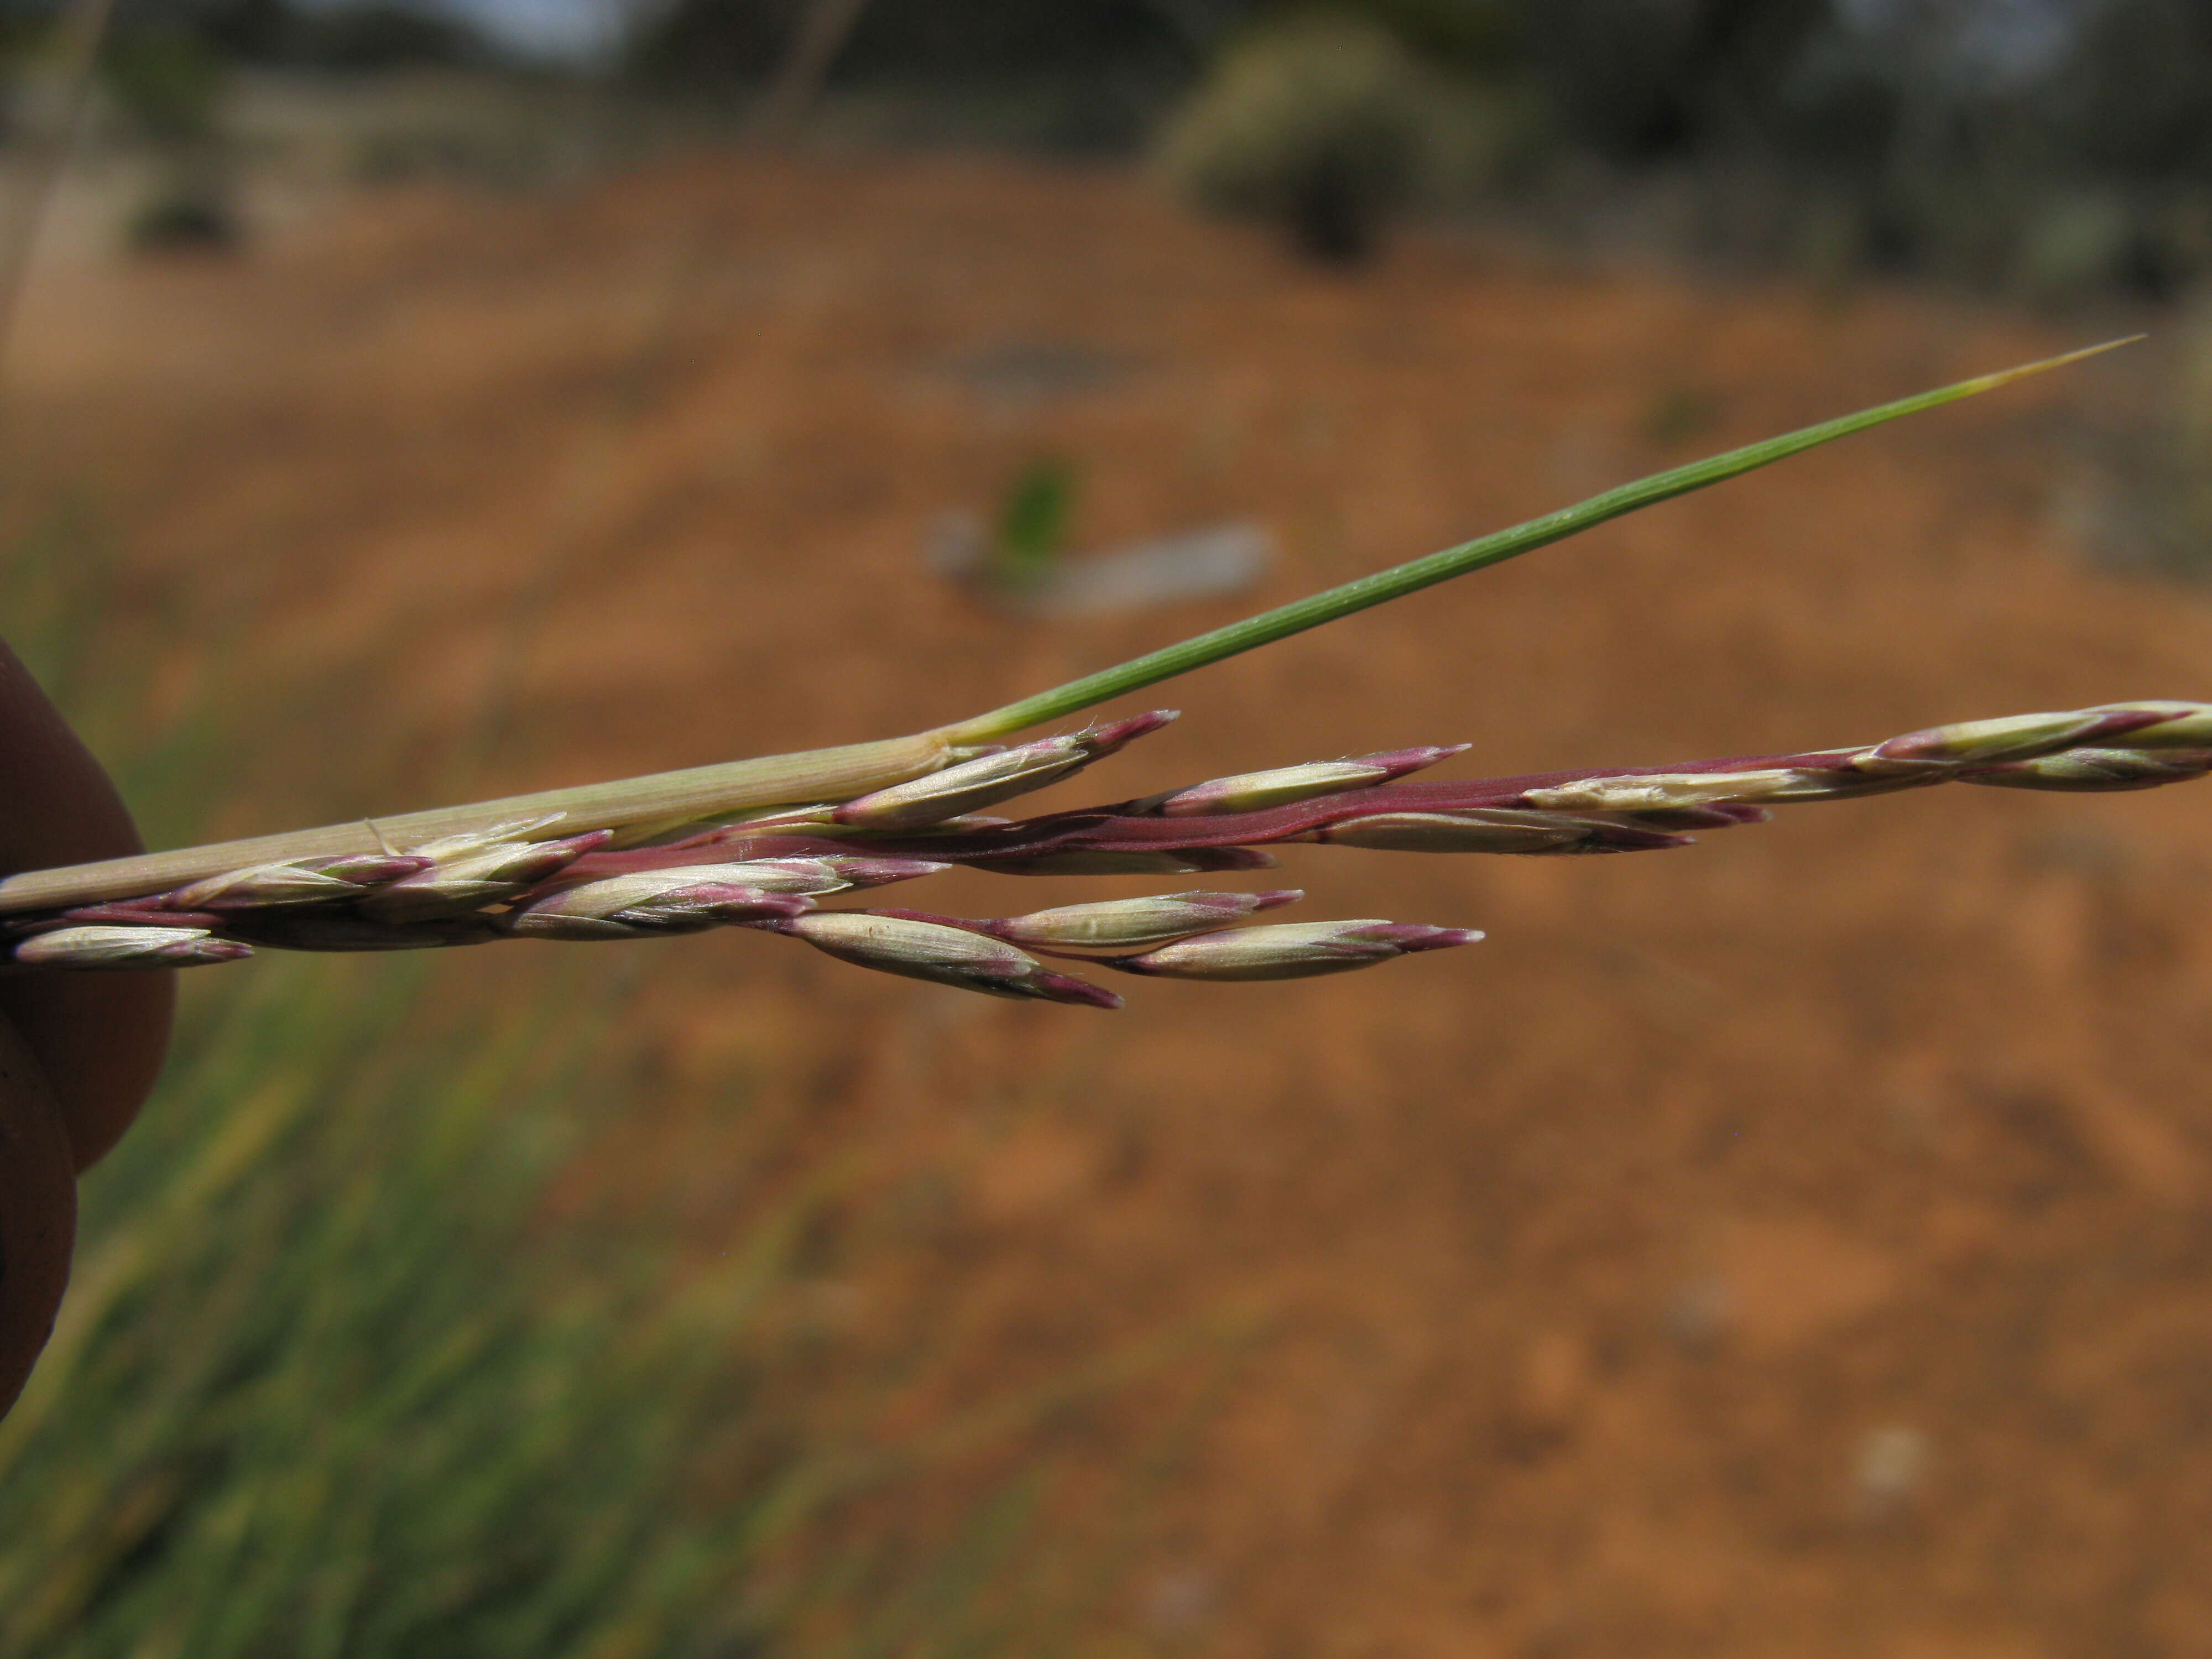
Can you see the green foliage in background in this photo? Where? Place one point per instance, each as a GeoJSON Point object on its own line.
{"type": "Point", "coordinates": [733, 42]}
{"type": "Point", "coordinates": [357, 37]}
{"type": "Point", "coordinates": [1326, 124]}
{"type": "Point", "coordinates": [1033, 521]}
{"type": "Point", "coordinates": [319, 1387]}
{"type": "Point", "coordinates": [1480, 37]}
{"type": "Point", "coordinates": [172, 86]}
{"type": "Point", "coordinates": [170, 83]}
{"type": "Point", "coordinates": [2055, 151]}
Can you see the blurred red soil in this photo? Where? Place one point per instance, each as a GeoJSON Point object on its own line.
{"type": "Point", "coordinates": [1800, 1244]}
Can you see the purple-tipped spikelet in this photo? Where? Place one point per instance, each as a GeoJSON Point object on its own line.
{"type": "Point", "coordinates": [1481, 829]}
{"type": "Point", "coordinates": [1111, 924]}
{"type": "Point", "coordinates": [1664, 792]}
{"type": "Point", "coordinates": [1296, 950]}
{"type": "Point", "coordinates": [302, 881]}
{"type": "Point", "coordinates": [2177, 725]}
{"type": "Point", "coordinates": [1254, 791]}
{"type": "Point", "coordinates": [96, 947]}
{"type": "Point", "coordinates": [798, 863]}
{"type": "Point", "coordinates": [659, 901]}
{"type": "Point", "coordinates": [2018, 737]}
{"type": "Point", "coordinates": [942, 954]}
{"type": "Point", "coordinates": [810, 876]}
{"type": "Point", "coordinates": [856, 870]}
{"type": "Point", "coordinates": [468, 872]}
{"type": "Point", "coordinates": [991, 778]}
{"type": "Point", "coordinates": [1119, 923]}
{"type": "Point", "coordinates": [2096, 769]}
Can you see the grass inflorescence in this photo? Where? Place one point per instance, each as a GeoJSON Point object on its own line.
{"type": "Point", "coordinates": [760, 843]}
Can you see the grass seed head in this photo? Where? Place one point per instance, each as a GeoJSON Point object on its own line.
{"type": "Point", "coordinates": [1493, 829]}
{"type": "Point", "coordinates": [856, 870]}
{"type": "Point", "coordinates": [1299, 949]}
{"type": "Point", "coordinates": [1662, 791]}
{"type": "Point", "coordinates": [482, 873]}
{"type": "Point", "coordinates": [300, 881]}
{"type": "Point", "coordinates": [2096, 768]}
{"type": "Point", "coordinates": [2179, 724]}
{"type": "Point", "coordinates": [127, 947]}
{"type": "Point", "coordinates": [2012, 737]}
{"type": "Point", "coordinates": [813, 877]}
{"type": "Point", "coordinates": [1255, 791]}
{"type": "Point", "coordinates": [942, 954]}
{"type": "Point", "coordinates": [988, 778]}
{"type": "Point", "coordinates": [1119, 923]}
{"type": "Point", "coordinates": [657, 901]}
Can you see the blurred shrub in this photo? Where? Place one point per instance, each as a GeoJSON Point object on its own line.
{"type": "Point", "coordinates": [169, 82]}
{"type": "Point", "coordinates": [738, 42]}
{"type": "Point", "coordinates": [382, 36]}
{"type": "Point", "coordinates": [172, 85]}
{"type": "Point", "coordinates": [182, 218]}
{"type": "Point", "coordinates": [347, 36]}
{"type": "Point", "coordinates": [1033, 517]}
{"type": "Point", "coordinates": [2134, 98]}
{"type": "Point", "coordinates": [1326, 124]}
{"type": "Point", "coordinates": [1482, 37]}
{"type": "Point", "coordinates": [1051, 74]}
{"type": "Point", "coordinates": [1644, 78]}
{"type": "Point", "coordinates": [2055, 150]}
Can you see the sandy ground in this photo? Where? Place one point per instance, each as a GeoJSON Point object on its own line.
{"type": "Point", "coordinates": [1798, 1244]}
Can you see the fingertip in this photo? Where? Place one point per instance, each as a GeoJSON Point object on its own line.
{"type": "Point", "coordinates": [98, 1039]}
{"type": "Point", "coordinates": [38, 1212]}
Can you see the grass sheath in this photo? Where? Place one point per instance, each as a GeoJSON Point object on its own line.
{"type": "Point", "coordinates": [757, 843]}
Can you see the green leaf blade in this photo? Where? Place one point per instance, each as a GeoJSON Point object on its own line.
{"type": "Point", "coordinates": [1365, 592]}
